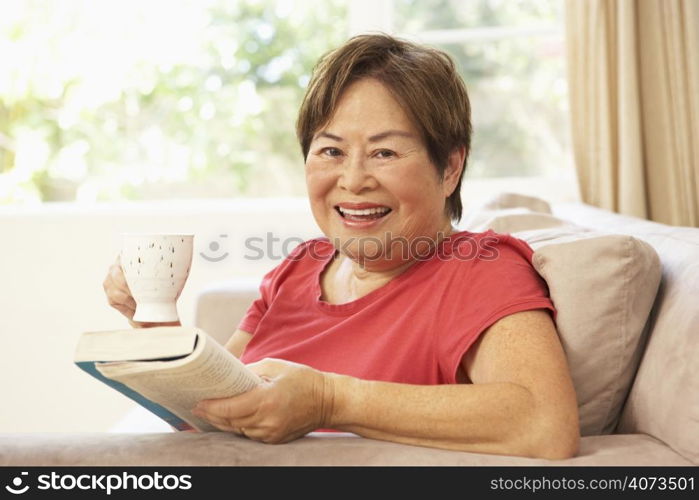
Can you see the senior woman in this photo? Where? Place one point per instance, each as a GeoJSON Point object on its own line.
{"type": "Point", "coordinates": [395, 326]}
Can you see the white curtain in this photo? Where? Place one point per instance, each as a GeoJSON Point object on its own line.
{"type": "Point", "coordinates": [633, 69]}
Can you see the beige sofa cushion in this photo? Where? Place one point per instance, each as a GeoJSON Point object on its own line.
{"type": "Point", "coordinates": [603, 286]}
{"type": "Point", "coordinates": [663, 400]}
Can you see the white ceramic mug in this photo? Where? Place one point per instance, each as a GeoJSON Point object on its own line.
{"type": "Point", "coordinates": [156, 267]}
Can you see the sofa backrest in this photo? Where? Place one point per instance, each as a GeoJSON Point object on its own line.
{"type": "Point", "coordinates": [603, 287]}
{"type": "Point", "coordinates": [664, 398]}
{"type": "Point", "coordinates": [221, 306]}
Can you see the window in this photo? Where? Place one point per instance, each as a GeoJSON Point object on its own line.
{"type": "Point", "coordinates": [511, 55]}
{"type": "Point", "coordinates": [110, 100]}
{"type": "Point", "coordinates": [115, 100]}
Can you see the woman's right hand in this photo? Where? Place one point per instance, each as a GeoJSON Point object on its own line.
{"type": "Point", "coordinates": [120, 298]}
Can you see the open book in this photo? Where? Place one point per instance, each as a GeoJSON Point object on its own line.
{"type": "Point", "coordinates": [167, 370]}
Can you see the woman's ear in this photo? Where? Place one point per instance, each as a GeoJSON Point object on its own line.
{"type": "Point", "coordinates": [452, 173]}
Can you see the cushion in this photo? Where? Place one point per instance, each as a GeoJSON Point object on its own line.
{"type": "Point", "coordinates": [603, 286]}
{"type": "Point", "coordinates": [660, 402]}
{"type": "Point", "coordinates": [516, 200]}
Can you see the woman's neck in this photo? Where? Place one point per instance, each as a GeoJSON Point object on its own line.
{"type": "Point", "coordinates": [379, 272]}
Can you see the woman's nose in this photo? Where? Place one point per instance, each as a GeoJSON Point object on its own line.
{"type": "Point", "coordinates": [355, 176]}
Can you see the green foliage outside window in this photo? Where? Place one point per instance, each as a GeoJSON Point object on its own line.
{"type": "Point", "coordinates": [208, 111]}
{"type": "Point", "coordinates": [106, 100]}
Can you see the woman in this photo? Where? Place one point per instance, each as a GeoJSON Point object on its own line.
{"type": "Point", "coordinates": [396, 326]}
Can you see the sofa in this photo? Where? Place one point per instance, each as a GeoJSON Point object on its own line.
{"type": "Point", "coordinates": [627, 295]}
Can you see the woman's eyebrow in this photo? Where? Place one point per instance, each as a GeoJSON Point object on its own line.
{"type": "Point", "coordinates": [373, 138]}
{"type": "Point", "coordinates": [389, 133]}
{"type": "Point", "coordinates": [328, 135]}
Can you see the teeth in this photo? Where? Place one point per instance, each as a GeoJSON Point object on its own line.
{"type": "Point", "coordinates": [366, 211]}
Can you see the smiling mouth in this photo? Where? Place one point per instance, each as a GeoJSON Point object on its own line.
{"type": "Point", "coordinates": [365, 214]}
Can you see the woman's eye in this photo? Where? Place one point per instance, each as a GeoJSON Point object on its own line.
{"type": "Point", "coordinates": [385, 153]}
{"type": "Point", "coordinates": [330, 152]}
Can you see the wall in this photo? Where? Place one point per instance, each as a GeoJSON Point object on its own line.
{"type": "Point", "coordinates": [52, 263]}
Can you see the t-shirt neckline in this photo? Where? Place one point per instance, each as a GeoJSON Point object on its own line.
{"type": "Point", "coordinates": [349, 307]}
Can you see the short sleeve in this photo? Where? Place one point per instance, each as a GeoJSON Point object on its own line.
{"type": "Point", "coordinates": [260, 305]}
{"type": "Point", "coordinates": [269, 286]}
{"type": "Point", "coordinates": [499, 282]}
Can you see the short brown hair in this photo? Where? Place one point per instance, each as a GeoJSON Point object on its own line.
{"type": "Point", "coordinates": [422, 79]}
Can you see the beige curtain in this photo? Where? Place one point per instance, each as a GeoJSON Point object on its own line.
{"type": "Point", "coordinates": [633, 71]}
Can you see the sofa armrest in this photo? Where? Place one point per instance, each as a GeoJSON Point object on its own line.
{"type": "Point", "coordinates": [220, 307]}
{"type": "Point", "coordinates": [316, 449]}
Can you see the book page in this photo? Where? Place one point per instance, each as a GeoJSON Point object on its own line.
{"type": "Point", "coordinates": [135, 344]}
{"type": "Point", "coordinates": [210, 372]}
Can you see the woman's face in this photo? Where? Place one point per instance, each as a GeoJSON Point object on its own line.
{"type": "Point", "coordinates": [370, 180]}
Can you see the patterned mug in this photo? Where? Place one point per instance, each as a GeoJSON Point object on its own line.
{"type": "Point", "coordinates": [156, 267]}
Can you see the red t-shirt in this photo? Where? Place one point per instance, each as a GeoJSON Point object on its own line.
{"type": "Point", "coordinates": [415, 329]}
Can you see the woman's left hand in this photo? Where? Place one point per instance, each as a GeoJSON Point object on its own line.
{"type": "Point", "coordinates": [292, 400]}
